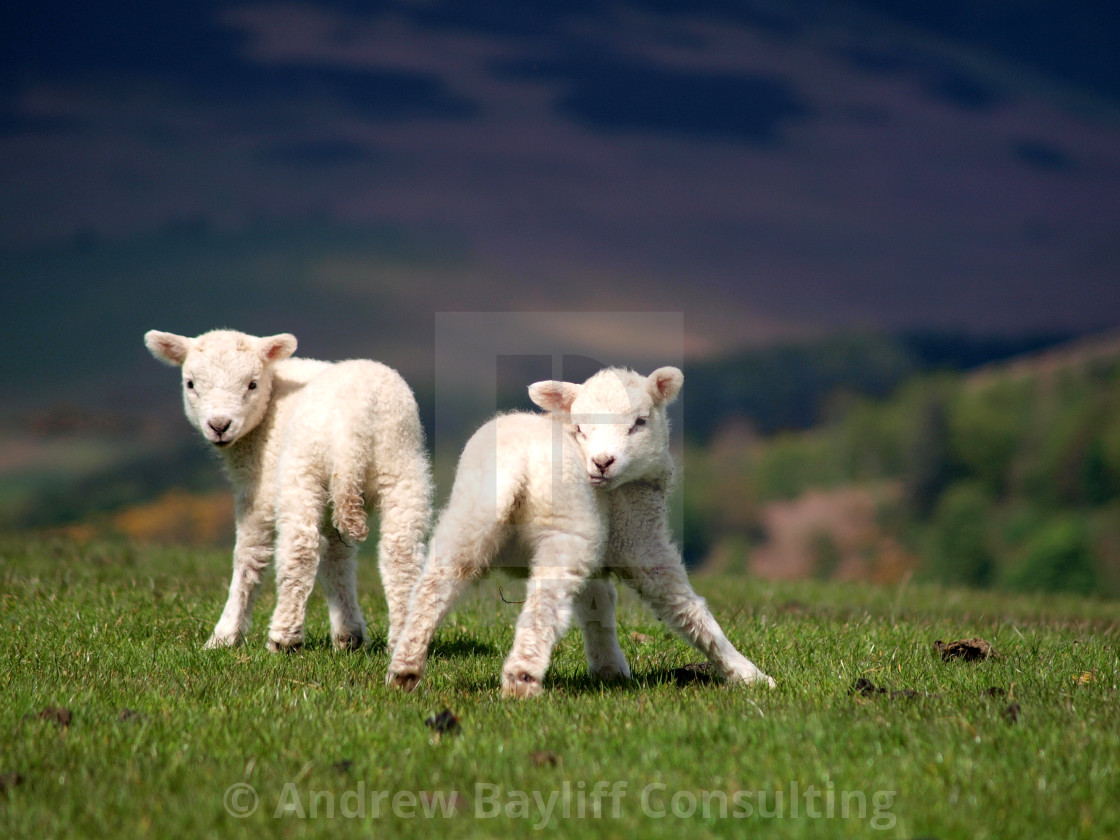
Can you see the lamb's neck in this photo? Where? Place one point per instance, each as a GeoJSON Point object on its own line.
{"type": "Point", "coordinates": [659, 479]}
{"type": "Point", "coordinates": [243, 458]}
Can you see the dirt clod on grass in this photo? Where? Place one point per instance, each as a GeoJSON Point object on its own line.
{"type": "Point", "coordinates": [9, 780]}
{"type": "Point", "coordinates": [695, 673]}
{"type": "Point", "coordinates": [970, 650]}
{"type": "Point", "coordinates": [866, 688]}
{"type": "Point", "coordinates": [56, 715]}
{"type": "Point", "coordinates": [1012, 712]}
{"type": "Point", "coordinates": [546, 758]}
{"type": "Point", "coordinates": [445, 723]}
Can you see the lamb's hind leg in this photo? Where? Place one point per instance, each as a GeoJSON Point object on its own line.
{"type": "Point", "coordinates": [406, 509]}
{"type": "Point", "coordinates": [595, 612]}
{"type": "Point", "coordinates": [456, 556]}
{"type": "Point", "coordinates": [659, 577]}
{"type": "Point", "coordinates": [338, 577]}
{"type": "Point", "coordinates": [464, 542]}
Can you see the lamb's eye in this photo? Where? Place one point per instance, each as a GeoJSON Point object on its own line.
{"type": "Point", "coordinates": [579, 431]}
{"type": "Point", "coordinates": [641, 421]}
{"type": "Point", "coordinates": [253, 385]}
{"type": "Point", "coordinates": [190, 384]}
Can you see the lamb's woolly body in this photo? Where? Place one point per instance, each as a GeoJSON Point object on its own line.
{"type": "Point", "coordinates": [572, 495]}
{"type": "Point", "coordinates": [309, 446]}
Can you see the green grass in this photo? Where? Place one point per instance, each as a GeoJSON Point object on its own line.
{"type": "Point", "coordinates": [161, 730]}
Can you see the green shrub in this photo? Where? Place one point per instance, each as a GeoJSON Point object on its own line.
{"type": "Point", "coordinates": [987, 427]}
{"type": "Point", "coordinates": [962, 555]}
{"type": "Point", "coordinates": [1057, 558]}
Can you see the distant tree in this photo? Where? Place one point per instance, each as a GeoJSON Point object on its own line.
{"type": "Point", "coordinates": [962, 555]}
{"type": "Point", "coordinates": [987, 427]}
{"type": "Point", "coordinates": [929, 457]}
{"type": "Point", "coordinates": [697, 528]}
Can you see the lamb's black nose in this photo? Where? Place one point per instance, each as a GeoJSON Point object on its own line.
{"type": "Point", "coordinates": [603, 462]}
{"type": "Point", "coordinates": [219, 424]}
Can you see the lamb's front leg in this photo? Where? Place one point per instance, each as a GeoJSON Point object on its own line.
{"type": "Point", "coordinates": [595, 612]}
{"type": "Point", "coordinates": [251, 555]}
{"type": "Point", "coordinates": [560, 567]}
{"type": "Point", "coordinates": [298, 540]}
{"type": "Point", "coordinates": [658, 576]}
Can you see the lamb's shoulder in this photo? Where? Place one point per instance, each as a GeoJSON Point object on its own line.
{"type": "Point", "coordinates": [360, 376]}
{"type": "Point", "coordinates": [544, 446]}
{"type": "Point", "coordinates": [290, 380]}
{"type": "Point", "coordinates": [531, 455]}
{"type": "Point", "coordinates": [507, 439]}
{"type": "Point", "coordinates": [298, 370]}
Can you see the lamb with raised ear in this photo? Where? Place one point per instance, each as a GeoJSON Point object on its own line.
{"type": "Point", "coordinates": [568, 496]}
{"type": "Point", "coordinates": [309, 446]}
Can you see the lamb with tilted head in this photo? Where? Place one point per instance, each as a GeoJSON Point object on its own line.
{"type": "Point", "coordinates": [309, 446]}
{"type": "Point", "coordinates": [570, 496]}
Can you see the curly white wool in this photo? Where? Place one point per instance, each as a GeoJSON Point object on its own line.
{"type": "Point", "coordinates": [569, 496]}
{"type": "Point", "coordinates": [301, 438]}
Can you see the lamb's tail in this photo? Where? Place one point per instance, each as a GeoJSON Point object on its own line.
{"type": "Point", "coordinates": [348, 501]}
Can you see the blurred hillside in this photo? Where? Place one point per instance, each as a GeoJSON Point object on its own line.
{"type": "Point", "coordinates": [1008, 476]}
{"type": "Point", "coordinates": [984, 462]}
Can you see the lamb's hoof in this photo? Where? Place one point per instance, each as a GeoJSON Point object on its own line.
{"type": "Point", "coordinates": [405, 679]}
{"type": "Point", "coordinates": [753, 678]}
{"type": "Point", "coordinates": [216, 642]}
{"type": "Point", "coordinates": [284, 645]}
{"type": "Point", "coordinates": [350, 641]}
{"type": "Point", "coordinates": [615, 672]}
{"type": "Point", "coordinates": [521, 684]}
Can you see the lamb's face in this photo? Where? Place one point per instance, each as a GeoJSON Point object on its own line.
{"type": "Point", "coordinates": [618, 420]}
{"type": "Point", "coordinates": [227, 378]}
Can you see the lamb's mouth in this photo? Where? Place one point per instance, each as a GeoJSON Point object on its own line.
{"type": "Point", "coordinates": [598, 480]}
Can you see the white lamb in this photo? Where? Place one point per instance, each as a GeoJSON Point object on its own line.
{"type": "Point", "coordinates": [571, 495]}
{"type": "Point", "coordinates": [308, 446]}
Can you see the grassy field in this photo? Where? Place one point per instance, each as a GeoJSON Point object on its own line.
{"type": "Point", "coordinates": [116, 724]}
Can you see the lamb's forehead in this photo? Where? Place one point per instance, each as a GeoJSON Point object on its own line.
{"type": "Point", "coordinates": [613, 391]}
{"type": "Point", "coordinates": [226, 349]}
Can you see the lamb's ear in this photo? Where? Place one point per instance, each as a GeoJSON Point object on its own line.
{"type": "Point", "coordinates": [276, 348]}
{"type": "Point", "coordinates": [664, 384]}
{"type": "Point", "coordinates": [554, 395]}
{"type": "Point", "coordinates": [167, 347]}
